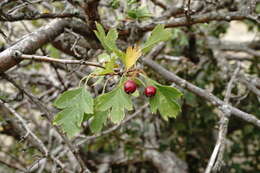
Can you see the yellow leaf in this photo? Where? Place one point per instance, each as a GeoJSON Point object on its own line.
{"type": "Point", "coordinates": [132, 55]}
{"type": "Point", "coordinates": [45, 11]}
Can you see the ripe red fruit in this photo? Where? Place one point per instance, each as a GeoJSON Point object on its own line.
{"type": "Point", "coordinates": [130, 86]}
{"type": "Point", "coordinates": [150, 91]}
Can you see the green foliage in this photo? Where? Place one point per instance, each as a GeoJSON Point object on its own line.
{"type": "Point", "coordinates": [75, 103]}
{"type": "Point", "coordinates": [70, 120]}
{"type": "Point", "coordinates": [165, 100]}
{"type": "Point", "coordinates": [99, 118]}
{"type": "Point", "coordinates": [108, 41]}
{"type": "Point", "coordinates": [139, 13]}
{"type": "Point", "coordinates": [80, 98]}
{"type": "Point", "coordinates": [104, 57]}
{"type": "Point", "coordinates": [130, 2]}
{"type": "Point", "coordinates": [109, 67]}
{"type": "Point", "coordinates": [158, 34]}
{"type": "Point", "coordinates": [116, 102]}
{"type": "Point", "coordinates": [77, 106]}
{"type": "Point", "coordinates": [114, 4]}
{"type": "Point", "coordinates": [109, 64]}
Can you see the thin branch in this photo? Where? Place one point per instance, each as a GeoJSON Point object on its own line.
{"type": "Point", "coordinates": [12, 166]}
{"type": "Point", "coordinates": [217, 155]}
{"type": "Point", "coordinates": [230, 84]}
{"type": "Point", "coordinates": [55, 60]}
{"type": "Point", "coordinates": [249, 85]}
{"type": "Point", "coordinates": [160, 4]}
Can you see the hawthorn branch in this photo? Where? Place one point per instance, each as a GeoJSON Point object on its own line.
{"type": "Point", "coordinates": [200, 92]}
{"type": "Point", "coordinates": [31, 42]}
{"type": "Point", "coordinates": [12, 166]}
{"type": "Point", "coordinates": [217, 155]}
{"type": "Point", "coordinates": [160, 4]}
{"type": "Point", "coordinates": [249, 85]}
{"type": "Point", "coordinates": [55, 60]}
{"type": "Point", "coordinates": [24, 16]}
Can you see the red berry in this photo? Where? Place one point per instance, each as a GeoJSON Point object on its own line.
{"type": "Point", "coordinates": [130, 86]}
{"type": "Point", "coordinates": [150, 91]}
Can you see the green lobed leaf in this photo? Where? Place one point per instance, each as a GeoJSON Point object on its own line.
{"type": "Point", "coordinates": [117, 114]}
{"type": "Point", "coordinates": [165, 100]}
{"type": "Point", "coordinates": [169, 92]}
{"type": "Point", "coordinates": [115, 101]}
{"type": "Point", "coordinates": [99, 118]}
{"type": "Point", "coordinates": [79, 98]}
{"type": "Point", "coordinates": [112, 35]}
{"type": "Point", "coordinates": [158, 34]}
{"type": "Point", "coordinates": [70, 120]}
{"type": "Point", "coordinates": [109, 41]}
{"type": "Point", "coordinates": [115, 98]}
{"type": "Point", "coordinates": [154, 103]}
{"type": "Point", "coordinates": [168, 108]}
{"type": "Point", "coordinates": [76, 104]}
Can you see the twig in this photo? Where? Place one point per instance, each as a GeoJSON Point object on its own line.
{"type": "Point", "coordinates": [249, 85]}
{"type": "Point", "coordinates": [12, 166]}
{"type": "Point", "coordinates": [55, 60]}
{"type": "Point", "coordinates": [160, 4]}
{"type": "Point", "coordinates": [217, 155]}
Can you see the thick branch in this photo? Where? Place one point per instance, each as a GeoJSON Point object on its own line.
{"type": "Point", "coordinates": [30, 43]}
{"type": "Point", "coordinates": [23, 16]}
